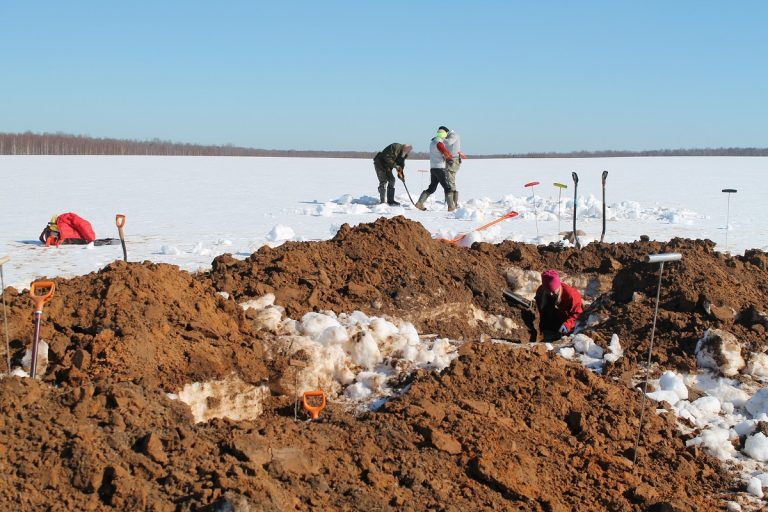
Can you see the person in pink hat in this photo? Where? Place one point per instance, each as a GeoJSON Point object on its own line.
{"type": "Point", "coordinates": [559, 307]}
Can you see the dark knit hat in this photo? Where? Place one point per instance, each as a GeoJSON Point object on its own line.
{"type": "Point", "coordinates": [443, 128]}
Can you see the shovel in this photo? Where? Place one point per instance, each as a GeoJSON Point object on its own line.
{"type": "Point", "coordinates": [120, 222]}
{"type": "Point", "coordinates": [459, 238]}
{"type": "Point", "coordinates": [533, 200]}
{"type": "Point", "coordinates": [560, 187]}
{"type": "Point", "coordinates": [3, 261]}
{"type": "Point", "coordinates": [313, 410]}
{"type": "Point", "coordinates": [406, 190]}
{"type": "Point", "coordinates": [518, 299]}
{"type": "Point", "coordinates": [40, 299]}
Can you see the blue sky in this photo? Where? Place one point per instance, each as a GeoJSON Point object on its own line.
{"type": "Point", "coordinates": [509, 76]}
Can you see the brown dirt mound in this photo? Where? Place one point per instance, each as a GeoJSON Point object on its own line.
{"type": "Point", "coordinates": [391, 266]}
{"type": "Point", "coordinates": [501, 429]}
{"type": "Point", "coordinates": [148, 322]}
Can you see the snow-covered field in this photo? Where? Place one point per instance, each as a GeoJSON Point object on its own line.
{"type": "Point", "coordinates": [186, 211]}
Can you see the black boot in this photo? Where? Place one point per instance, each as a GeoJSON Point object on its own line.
{"type": "Point", "coordinates": [391, 197]}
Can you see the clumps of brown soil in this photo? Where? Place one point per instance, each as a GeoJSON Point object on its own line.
{"type": "Point", "coordinates": [500, 429]}
{"type": "Point", "coordinates": [391, 266]}
{"type": "Point", "coordinates": [551, 435]}
{"type": "Point", "coordinates": [703, 290]}
{"type": "Point", "coordinates": [139, 322]}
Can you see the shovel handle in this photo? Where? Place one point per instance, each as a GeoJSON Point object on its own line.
{"type": "Point", "coordinates": [560, 185]}
{"type": "Point", "coordinates": [41, 299]}
{"type": "Point", "coordinates": [119, 220]}
{"type": "Point", "coordinates": [531, 184]}
{"type": "Point", "coordinates": [313, 410]}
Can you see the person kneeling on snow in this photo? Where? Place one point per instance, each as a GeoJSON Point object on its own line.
{"type": "Point", "coordinates": [67, 228]}
{"type": "Point", "coordinates": [559, 307]}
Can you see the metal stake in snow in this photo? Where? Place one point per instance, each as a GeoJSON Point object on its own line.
{"type": "Point", "coordinates": [3, 261]}
{"type": "Point", "coordinates": [533, 199]}
{"type": "Point", "coordinates": [660, 259]}
{"type": "Point", "coordinates": [728, 191]}
{"type": "Point", "coordinates": [560, 187]}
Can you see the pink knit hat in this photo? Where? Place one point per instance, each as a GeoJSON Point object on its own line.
{"type": "Point", "coordinates": [550, 280]}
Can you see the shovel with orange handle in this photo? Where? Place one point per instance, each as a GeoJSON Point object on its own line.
{"type": "Point", "coordinates": [459, 238]}
{"type": "Point", "coordinates": [313, 410]}
{"type": "Point", "coordinates": [120, 222]}
{"type": "Point", "coordinates": [40, 299]}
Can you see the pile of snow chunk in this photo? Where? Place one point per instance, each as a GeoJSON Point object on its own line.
{"type": "Point", "coordinates": [280, 233]}
{"type": "Point", "coordinates": [758, 365]}
{"type": "Point", "coordinates": [719, 350]}
{"type": "Point", "coordinates": [359, 357]}
{"type": "Point", "coordinates": [592, 355]}
{"type": "Point", "coordinates": [672, 389]}
{"type": "Point", "coordinates": [228, 398]}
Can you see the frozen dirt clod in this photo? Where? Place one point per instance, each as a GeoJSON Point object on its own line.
{"type": "Point", "coordinates": [502, 428]}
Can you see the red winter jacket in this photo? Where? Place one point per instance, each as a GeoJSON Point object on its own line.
{"type": "Point", "coordinates": [72, 226]}
{"type": "Point", "coordinates": [554, 314]}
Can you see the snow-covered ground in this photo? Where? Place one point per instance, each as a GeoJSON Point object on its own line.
{"type": "Point", "coordinates": [187, 210]}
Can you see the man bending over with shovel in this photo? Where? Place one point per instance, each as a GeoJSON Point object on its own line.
{"type": "Point", "coordinates": [389, 158]}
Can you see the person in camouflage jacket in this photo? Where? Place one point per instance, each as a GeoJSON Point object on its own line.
{"type": "Point", "coordinates": [390, 158]}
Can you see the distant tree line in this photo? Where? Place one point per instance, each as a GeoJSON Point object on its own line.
{"type": "Point", "coordinates": [63, 144]}
{"type": "Point", "coordinates": [654, 152]}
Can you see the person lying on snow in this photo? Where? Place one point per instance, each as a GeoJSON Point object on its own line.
{"type": "Point", "coordinates": [67, 228]}
{"type": "Point", "coordinates": [559, 307]}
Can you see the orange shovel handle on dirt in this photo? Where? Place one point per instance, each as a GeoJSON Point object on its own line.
{"type": "Point", "coordinates": [41, 299]}
{"type": "Point", "coordinates": [313, 410]}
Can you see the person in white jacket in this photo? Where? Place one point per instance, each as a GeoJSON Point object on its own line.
{"type": "Point", "coordinates": [439, 159]}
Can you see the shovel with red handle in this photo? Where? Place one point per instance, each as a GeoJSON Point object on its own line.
{"type": "Point", "coordinates": [120, 222]}
{"type": "Point", "coordinates": [40, 299]}
{"type": "Point", "coordinates": [533, 200]}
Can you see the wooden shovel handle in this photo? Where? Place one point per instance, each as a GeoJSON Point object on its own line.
{"type": "Point", "coordinates": [120, 220]}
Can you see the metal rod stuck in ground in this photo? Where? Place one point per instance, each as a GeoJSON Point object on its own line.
{"type": "Point", "coordinates": [728, 191]}
{"type": "Point", "coordinates": [660, 259]}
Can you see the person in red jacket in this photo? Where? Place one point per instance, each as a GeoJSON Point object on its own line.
{"type": "Point", "coordinates": [67, 228]}
{"type": "Point", "coordinates": [559, 306]}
